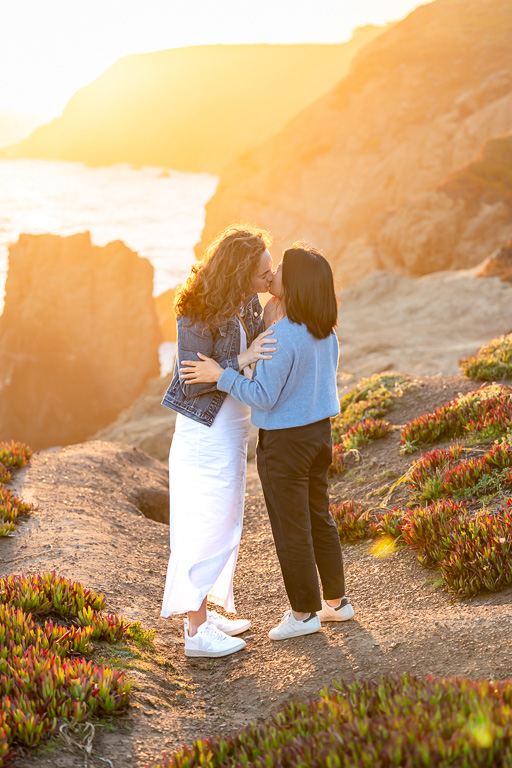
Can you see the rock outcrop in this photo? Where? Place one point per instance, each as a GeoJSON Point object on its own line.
{"type": "Point", "coordinates": [192, 109]}
{"type": "Point", "coordinates": [499, 263]}
{"type": "Point", "coordinates": [79, 337]}
{"type": "Point", "coordinates": [166, 317]}
{"type": "Point", "coordinates": [357, 172]}
{"type": "Point", "coordinates": [420, 326]}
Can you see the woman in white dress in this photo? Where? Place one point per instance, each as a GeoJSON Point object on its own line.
{"type": "Point", "coordinates": [218, 315]}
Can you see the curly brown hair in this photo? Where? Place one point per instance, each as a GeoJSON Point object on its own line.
{"type": "Point", "coordinates": [223, 278]}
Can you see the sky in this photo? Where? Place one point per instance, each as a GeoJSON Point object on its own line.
{"type": "Point", "coordinates": [51, 48]}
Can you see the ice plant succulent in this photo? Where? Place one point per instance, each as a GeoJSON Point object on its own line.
{"type": "Point", "coordinates": [359, 420]}
{"type": "Point", "coordinates": [372, 398]}
{"type": "Point", "coordinates": [439, 473]}
{"type": "Point", "coordinates": [479, 557]}
{"type": "Point", "coordinates": [12, 455]}
{"type": "Point", "coordinates": [351, 521]}
{"type": "Point", "coordinates": [427, 529]}
{"type": "Point", "coordinates": [492, 362]}
{"type": "Point", "coordinates": [364, 432]}
{"type": "Point", "coordinates": [483, 414]}
{"type": "Point", "coordinates": [391, 722]}
{"type": "Point", "coordinates": [40, 686]}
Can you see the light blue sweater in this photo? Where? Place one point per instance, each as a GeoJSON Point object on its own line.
{"type": "Point", "coordinates": [296, 387]}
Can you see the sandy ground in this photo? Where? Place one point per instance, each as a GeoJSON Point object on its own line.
{"type": "Point", "coordinates": [89, 527]}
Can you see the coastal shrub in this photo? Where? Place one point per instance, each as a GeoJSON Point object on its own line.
{"type": "Point", "coordinates": [351, 521]}
{"type": "Point", "coordinates": [483, 414]}
{"type": "Point", "coordinates": [40, 685]}
{"type": "Point", "coordinates": [12, 455]}
{"type": "Point", "coordinates": [492, 362]}
{"type": "Point", "coordinates": [391, 722]}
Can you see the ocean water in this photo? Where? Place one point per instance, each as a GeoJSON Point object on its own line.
{"type": "Point", "coordinates": [159, 213]}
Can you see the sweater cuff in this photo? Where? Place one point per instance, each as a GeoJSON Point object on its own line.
{"type": "Point", "coordinates": [231, 362]}
{"type": "Point", "coordinates": [227, 379]}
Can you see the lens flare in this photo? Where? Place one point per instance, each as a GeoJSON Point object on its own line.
{"type": "Point", "coordinates": [383, 547]}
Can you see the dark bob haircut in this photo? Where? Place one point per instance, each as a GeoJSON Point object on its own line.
{"type": "Point", "coordinates": [308, 290]}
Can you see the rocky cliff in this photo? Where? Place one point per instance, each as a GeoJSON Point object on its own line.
{"type": "Point", "coordinates": [457, 224]}
{"type": "Point", "coordinates": [193, 109]}
{"type": "Point", "coordinates": [79, 337]}
{"type": "Point", "coordinates": [419, 103]}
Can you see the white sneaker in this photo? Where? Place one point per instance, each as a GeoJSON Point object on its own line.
{"type": "Point", "coordinates": [290, 627]}
{"type": "Point", "coordinates": [343, 612]}
{"type": "Point", "coordinates": [228, 626]}
{"type": "Point", "coordinates": [211, 642]}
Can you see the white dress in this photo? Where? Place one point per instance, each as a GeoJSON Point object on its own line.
{"type": "Point", "coordinates": [207, 471]}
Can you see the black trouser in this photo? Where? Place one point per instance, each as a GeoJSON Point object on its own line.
{"type": "Point", "coordinates": [292, 465]}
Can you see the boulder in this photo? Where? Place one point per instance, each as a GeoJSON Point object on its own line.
{"type": "Point", "coordinates": [79, 337]}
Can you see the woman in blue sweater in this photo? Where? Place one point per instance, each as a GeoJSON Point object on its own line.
{"type": "Point", "coordinates": [292, 397]}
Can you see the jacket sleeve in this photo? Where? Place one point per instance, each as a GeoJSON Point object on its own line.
{"type": "Point", "coordinates": [191, 340]}
{"type": "Point", "coordinates": [266, 385]}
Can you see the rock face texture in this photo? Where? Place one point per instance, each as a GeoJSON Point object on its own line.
{"type": "Point", "coordinates": [193, 109]}
{"type": "Point", "coordinates": [79, 337]}
{"type": "Point", "coordinates": [357, 172]}
{"type": "Point", "coordinates": [166, 317]}
{"type": "Point", "coordinates": [420, 326]}
{"type": "Point", "coordinates": [499, 264]}
{"type": "Point", "coordinates": [455, 225]}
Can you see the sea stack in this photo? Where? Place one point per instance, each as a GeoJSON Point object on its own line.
{"type": "Point", "coordinates": [79, 337]}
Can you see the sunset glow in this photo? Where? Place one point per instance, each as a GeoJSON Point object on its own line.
{"type": "Point", "coordinates": [52, 49]}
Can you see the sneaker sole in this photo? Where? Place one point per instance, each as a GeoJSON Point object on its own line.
{"type": "Point", "coordinates": [305, 631]}
{"type": "Point", "coordinates": [335, 618]}
{"type": "Point", "coordinates": [191, 652]}
{"type": "Point", "coordinates": [234, 632]}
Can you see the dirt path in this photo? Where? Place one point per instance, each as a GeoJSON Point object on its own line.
{"type": "Point", "coordinates": [402, 623]}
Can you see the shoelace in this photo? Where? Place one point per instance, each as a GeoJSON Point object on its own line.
{"type": "Point", "coordinates": [215, 633]}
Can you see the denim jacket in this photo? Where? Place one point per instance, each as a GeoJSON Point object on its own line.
{"type": "Point", "coordinates": [202, 402]}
